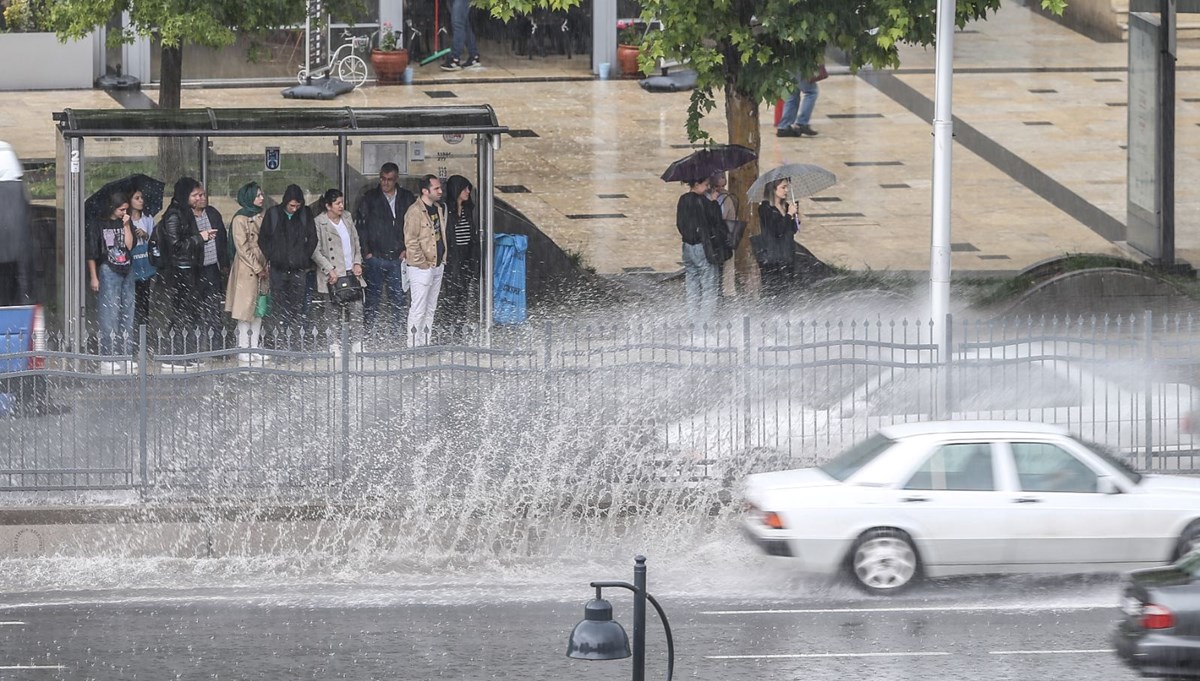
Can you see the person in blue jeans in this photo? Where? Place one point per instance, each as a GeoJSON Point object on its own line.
{"type": "Point", "coordinates": [797, 113]}
{"type": "Point", "coordinates": [110, 273]}
{"type": "Point", "coordinates": [460, 25]}
{"type": "Point", "coordinates": [699, 223]}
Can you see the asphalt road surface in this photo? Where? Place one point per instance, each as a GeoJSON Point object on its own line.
{"type": "Point", "coordinates": [430, 628]}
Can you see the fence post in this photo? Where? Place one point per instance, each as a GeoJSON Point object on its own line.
{"type": "Point", "coordinates": [1148, 397]}
{"type": "Point", "coordinates": [746, 382]}
{"type": "Point", "coordinates": [143, 411]}
{"type": "Point", "coordinates": [339, 466]}
{"type": "Point", "coordinates": [552, 405]}
{"type": "Point", "coordinates": [948, 369]}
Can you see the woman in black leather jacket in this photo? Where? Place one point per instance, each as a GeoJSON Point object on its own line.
{"type": "Point", "coordinates": [196, 244]}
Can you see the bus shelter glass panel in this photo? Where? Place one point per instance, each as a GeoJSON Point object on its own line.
{"type": "Point", "coordinates": [312, 163]}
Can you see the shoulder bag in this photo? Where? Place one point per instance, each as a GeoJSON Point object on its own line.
{"type": "Point", "coordinates": [345, 290]}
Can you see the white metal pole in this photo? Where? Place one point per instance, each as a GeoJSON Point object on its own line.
{"type": "Point", "coordinates": [943, 140]}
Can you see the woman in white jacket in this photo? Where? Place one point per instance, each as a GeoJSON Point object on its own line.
{"type": "Point", "coordinates": [338, 255]}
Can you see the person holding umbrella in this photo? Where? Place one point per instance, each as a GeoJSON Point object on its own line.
{"type": "Point", "coordinates": [700, 224]}
{"type": "Point", "coordinates": [705, 247]}
{"type": "Point", "coordinates": [108, 243]}
{"type": "Point", "coordinates": [779, 221]}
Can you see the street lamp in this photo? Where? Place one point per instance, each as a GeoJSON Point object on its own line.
{"type": "Point", "coordinates": [598, 637]}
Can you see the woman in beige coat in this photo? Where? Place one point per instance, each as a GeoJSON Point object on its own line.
{"type": "Point", "coordinates": [248, 277]}
{"type": "Point", "coordinates": [338, 255]}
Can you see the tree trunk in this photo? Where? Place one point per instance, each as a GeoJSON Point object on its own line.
{"type": "Point", "coordinates": [741, 118]}
{"type": "Point", "coordinates": [172, 151]}
{"type": "Point", "coordinates": [170, 80]}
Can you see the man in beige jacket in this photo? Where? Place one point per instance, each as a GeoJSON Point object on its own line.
{"type": "Point", "coordinates": [425, 243]}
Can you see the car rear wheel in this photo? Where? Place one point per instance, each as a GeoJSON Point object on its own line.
{"type": "Point", "coordinates": [884, 562]}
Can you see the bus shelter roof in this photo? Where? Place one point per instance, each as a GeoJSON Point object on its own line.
{"type": "Point", "coordinates": [262, 122]}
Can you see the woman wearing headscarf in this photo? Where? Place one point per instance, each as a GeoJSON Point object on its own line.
{"type": "Point", "coordinates": [461, 281]}
{"type": "Point", "coordinates": [338, 255]}
{"type": "Point", "coordinates": [248, 278]}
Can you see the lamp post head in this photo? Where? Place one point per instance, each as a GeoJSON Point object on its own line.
{"type": "Point", "coordinates": [598, 637]}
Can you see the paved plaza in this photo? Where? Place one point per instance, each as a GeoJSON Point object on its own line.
{"type": "Point", "coordinates": [1039, 167]}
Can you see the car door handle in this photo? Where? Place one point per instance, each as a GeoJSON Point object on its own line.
{"type": "Point", "coordinates": [913, 499]}
{"type": "Point", "coordinates": [1027, 500]}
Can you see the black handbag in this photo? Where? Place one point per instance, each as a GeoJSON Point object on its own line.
{"type": "Point", "coordinates": [345, 290]}
{"type": "Point", "coordinates": [769, 251]}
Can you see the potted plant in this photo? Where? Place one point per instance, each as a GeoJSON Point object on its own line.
{"type": "Point", "coordinates": [388, 59]}
{"type": "Point", "coordinates": [629, 47]}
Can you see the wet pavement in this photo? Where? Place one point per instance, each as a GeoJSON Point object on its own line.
{"type": "Point", "coordinates": [1039, 168]}
{"type": "Point", "coordinates": [1000, 628]}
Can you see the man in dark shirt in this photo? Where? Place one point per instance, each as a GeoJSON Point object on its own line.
{"type": "Point", "coordinates": [288, 238]}
{"type": "Point", "coordinates": [380, 221]}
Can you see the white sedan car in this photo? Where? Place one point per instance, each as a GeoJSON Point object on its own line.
{"type": "Point", "coordinates": [970, 497]}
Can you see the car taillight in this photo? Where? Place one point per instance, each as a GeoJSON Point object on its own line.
{"type": "Point", "coordinates": [1157, 617]}
{"type": "Point", "coordinates": [37, 339]}
{"type": "Point", "coordinates": [772, 520]}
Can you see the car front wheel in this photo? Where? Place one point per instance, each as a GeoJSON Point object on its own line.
{"type": "Point", "coordinates": [884, 562]}
{"type": "Point", "coordinates": [1188, 541]}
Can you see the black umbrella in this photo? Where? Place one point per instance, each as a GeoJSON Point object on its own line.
{"type": "Point", "coordinates": [702, 163]}
{"type": "Point", "coordinates": [96, 205]}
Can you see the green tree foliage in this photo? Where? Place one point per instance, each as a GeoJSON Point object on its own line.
{"type": "Point", "coordinates": [755, 47]}
{"type": "Point", "coordinates": [208, 23]}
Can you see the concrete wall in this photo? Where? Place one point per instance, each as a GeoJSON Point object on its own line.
{"type": "Point", "coordinates": [37, 61]}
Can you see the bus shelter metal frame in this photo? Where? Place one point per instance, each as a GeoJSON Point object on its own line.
{"type": "Point", "coordinates": [75, 126]}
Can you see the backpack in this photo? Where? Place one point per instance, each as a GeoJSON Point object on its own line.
{"type": "Point", "coordinates": [154, 250]}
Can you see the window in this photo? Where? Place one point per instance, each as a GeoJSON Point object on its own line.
{"type": "Point", "coordinates": [1043, 467]}
{"type": "Point", "coordinates": [848, 462]}
{"type": "Point", "coordinates": [960, 467]}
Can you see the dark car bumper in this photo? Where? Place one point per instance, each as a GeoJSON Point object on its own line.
{"type": "Point", "coordinates": [1157, 653]}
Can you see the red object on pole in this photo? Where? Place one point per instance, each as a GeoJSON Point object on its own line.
{"type": "Point", "coordinates": [778, 112]}
{"type": "Point", "coordinates": [437, 14]}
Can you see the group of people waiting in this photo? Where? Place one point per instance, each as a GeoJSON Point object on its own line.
{"type": "Point", "coordinates": [273, 261]}
{"type": "Point", "coordinates": [707, 220]}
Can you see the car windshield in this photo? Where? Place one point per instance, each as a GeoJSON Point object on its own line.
{"type": "Point", "coordinates": [848, 462]}
{"type": "Point", "coordinates": [1114, 459]}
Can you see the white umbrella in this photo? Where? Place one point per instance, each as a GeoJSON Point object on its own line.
{"type": "Point", "coordinates": [805, 180]}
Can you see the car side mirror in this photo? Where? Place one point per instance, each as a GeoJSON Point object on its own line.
{"type": "Point", "coordinates": [1105, 485]}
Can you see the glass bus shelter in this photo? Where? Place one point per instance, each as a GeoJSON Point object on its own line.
{"type": "Point", "coordinates": [315, 148]}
